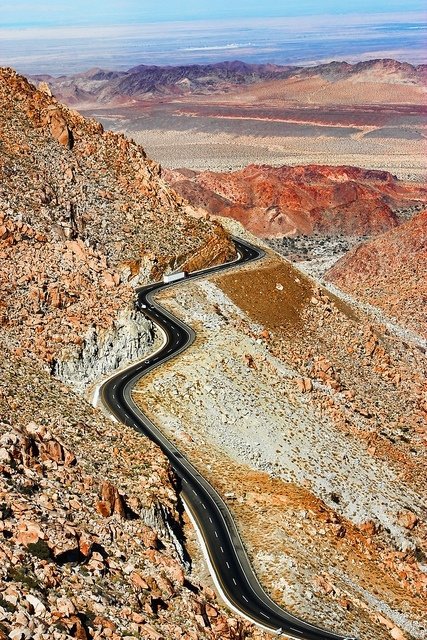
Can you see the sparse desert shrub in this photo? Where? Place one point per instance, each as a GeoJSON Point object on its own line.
{"type": "Point", "coordinates": [6, 605]}
{"type": "Point", "coordinates": [5, 511]}
{"type": "Point", "coordinates": [40, 549]}
{"type": "Point", "coordinates": [22, 574]}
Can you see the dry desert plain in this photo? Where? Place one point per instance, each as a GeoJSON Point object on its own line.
{"type": "Point", "coordinates": [219, 134]}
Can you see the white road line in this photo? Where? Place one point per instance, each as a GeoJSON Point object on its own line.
{"type": "Point", "coordinates": [228, 566]}
{"type": "Point", "coordinates": [296, 630]}
{"type": "Point", "coordinates": [222, 550]}
{"type": "Point", "coordinates": [203, 505]}
{"type": "Point", "coordinates": [216, 535]}
{"type": "Point", "coordinates": [234, 580]}
{"type": "Point", "coordinates": [245, 598]}
{"type": "Point", "coordinates": [265, 615]}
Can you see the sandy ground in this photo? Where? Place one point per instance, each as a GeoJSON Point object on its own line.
{"type": "Point", "coordinates": [226, 152]}
{"type": "Point", "coordinates": [199, 141]}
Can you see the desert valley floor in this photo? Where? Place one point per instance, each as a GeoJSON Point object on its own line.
{"type": "Point", "coordinates": [197, 136]}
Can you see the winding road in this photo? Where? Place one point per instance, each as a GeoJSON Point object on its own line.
{"type": "Point", "coordinates": [224, 551]}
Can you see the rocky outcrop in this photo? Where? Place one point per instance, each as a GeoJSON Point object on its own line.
{"type": "Point", "coordinates": [59, 128]}
{"type": "Point", "coordinates": [273, 202]}
{"type": "Point", "coordinates": [390, 272]}
{"type": "Point", "coordinates": [129, 338]}
{"type": "Point", "coordinates": [215, 251]}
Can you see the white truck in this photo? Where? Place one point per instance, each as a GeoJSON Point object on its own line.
{"type": "Point", "coordinates": [173, 277]}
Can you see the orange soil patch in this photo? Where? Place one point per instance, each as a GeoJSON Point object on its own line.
{"type": "Point", "coordinates": [274, 295]}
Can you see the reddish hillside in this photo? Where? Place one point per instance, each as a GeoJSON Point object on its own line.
{"type": "Point", "coordinates": [280, 201]}
{"type": "Point", "coordinates": [390, 272]}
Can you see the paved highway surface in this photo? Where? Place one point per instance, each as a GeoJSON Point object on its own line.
{"type": "Point", "coordinates": [227, 558]}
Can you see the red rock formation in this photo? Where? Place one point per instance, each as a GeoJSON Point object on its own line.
{"type": "Point", "coordinates": [283, 201]}
{"type": "Point", "coordinates": [390, 272]}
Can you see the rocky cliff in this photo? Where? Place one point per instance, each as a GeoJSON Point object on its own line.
{"type": "Point", "coordinates": [129, 338]}
{"type": "Point", "coordinates": [288, 201]}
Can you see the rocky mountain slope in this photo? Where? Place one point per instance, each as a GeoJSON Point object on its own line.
{"type": "Point", "coordinates": [93, 540]}
{"type": "Point", "coordinates": [390, 272]}
{"type": "Point", "coordinates": [101, 86]}
{"type": "Point", "coordinates": [93, 543]}
{"type": "Point", "coordinates": [146, 80]}
{"type": "Point", "coordinates": [372, 82]}
{"type": "Point", "coordinates": [309, 416]}
{"type": "Point", "coordinates": [288, 201]}
{"type": "Point", "coordinates": [84, 216]}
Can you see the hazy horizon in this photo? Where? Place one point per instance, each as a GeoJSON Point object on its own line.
{"type": "Point", "coordinates": [47, 39]}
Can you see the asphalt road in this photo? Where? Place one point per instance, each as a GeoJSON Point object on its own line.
{"type": "Point", "coordinates": [227, 558]}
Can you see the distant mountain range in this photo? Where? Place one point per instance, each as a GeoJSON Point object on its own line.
{"type": "Point", "coordinates": [99, 86]}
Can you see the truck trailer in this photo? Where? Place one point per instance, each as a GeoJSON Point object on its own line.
{"type": "Point", "coordinates": [173, 277]}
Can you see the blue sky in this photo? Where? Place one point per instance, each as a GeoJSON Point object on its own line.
{"type": "Point", "coordinates": [58, 37]}
{"type": "Point", "coordinates": [98, 12]}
